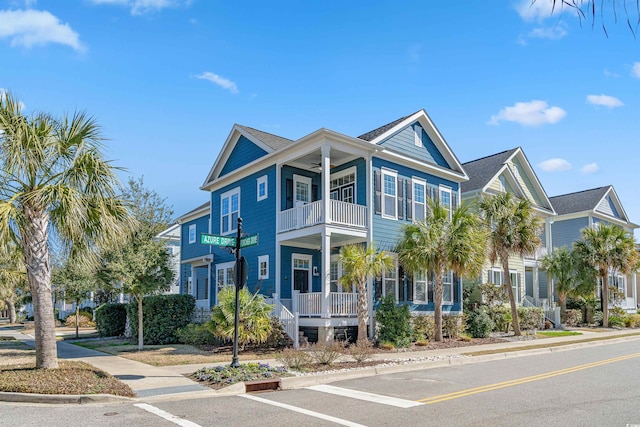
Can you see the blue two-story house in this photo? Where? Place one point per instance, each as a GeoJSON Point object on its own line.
{"type": "Point", "coordinates": [307, 198]}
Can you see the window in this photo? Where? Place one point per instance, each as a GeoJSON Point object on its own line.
{"type": "Point", "coordinates": [342, 185]}
{"type": "Point", "coordinates": [262, 188]}
{"type": "Point", "coordinates": [390, 281]}
{"type": "Point", "coordinates": [447, 283]}
{"type": "Point", "coordinates": [229, 211]}
{"type": "Point", "coordinates": [445, 198]}
{"type": "Point", "coordinates": [420, 286]}
{"type": "Point", "coordinates": [419, 200]}
{"type": "Point", "coordinates": [225, 274]}
{"type": "Point", "coordinates": [263, 267]}
{"type": "Point", "coordinates": [418, 135]}
{"type": "Point", "coordinates": [389, 204]}
{"type": "Point", "coordinates": [192, 233]}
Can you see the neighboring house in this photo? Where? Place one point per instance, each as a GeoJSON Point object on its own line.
{"type": "Point", "coordinates": [172, 238]}
{"type": "Point", "coordinates": [307, 198]}
{"type": "Point", "coordinates": [510, 171]}
{"type": "Point", "coordinates": [588, 208]}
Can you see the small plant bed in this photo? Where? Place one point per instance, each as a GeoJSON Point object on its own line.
{"type": "Point", "coordinates": [552, 334]}
{"type": "Point", "coordinates": [223, 376]}
{"type": "Point", "coordinates": [69, 378]}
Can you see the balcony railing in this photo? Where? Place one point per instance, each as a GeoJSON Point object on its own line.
{"type": "Point", "coordinates": [342, 213]}
{"type": "Point", "coordinates": [341, 304]}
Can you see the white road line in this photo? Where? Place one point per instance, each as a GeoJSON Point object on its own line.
{"type": "Point", "coordinates": [303, 411]}
{"type": "Point", "coordinates": [167, 416]}
{"type": "Point", "coordinates": [363, 395]}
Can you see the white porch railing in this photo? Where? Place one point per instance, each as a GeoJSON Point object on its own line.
{"type": "Point", "coordinates": [344, 304]}
{"type": "Point", "coordinates": [340, 304]}
{"type": "Point", "coordinates": [342, 213]}
{"type": "Point", "coordinates": [288, 319]}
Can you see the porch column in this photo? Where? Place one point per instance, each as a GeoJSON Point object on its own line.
{"type": "Point", "coordinates": [325, 273]}
{"type": "Point", "coordinates": [326, 175]}
{"type": "Point", "coordinates": [535, 285]}
{"type": "Point", "coordinates": [633, 289]}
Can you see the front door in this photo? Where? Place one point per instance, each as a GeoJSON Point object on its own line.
{"type": "Point", "coordinates": [301, 190]}
{"type": "Point", "coordinates": [301, 273]}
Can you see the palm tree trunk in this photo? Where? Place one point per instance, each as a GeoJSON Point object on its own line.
{"type": "Point", "coordinates": [35, 248]}
{"type": "Point", "coordinates": [363, 311]}
{"type": "Point", "coordinates": [562, 299]}
{"type": "Point", "coordinates": [438, 293]}
{"type": "Point", "coordinates": [77, 316]}
{"type": "Point", "coordinates": [11, 308]}
{"type": "Point", "coordinates": [605, 300]}
{"type": "Point", "coordinates": [512, 298]}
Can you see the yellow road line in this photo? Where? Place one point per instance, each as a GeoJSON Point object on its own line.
{"type": "Point", "coordinates": [491, 387]}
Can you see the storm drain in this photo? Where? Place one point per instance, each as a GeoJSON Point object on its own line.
{"type": "Point", "coordinates": [261, 385]}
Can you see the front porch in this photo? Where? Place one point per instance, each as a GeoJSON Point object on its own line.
{"type": "Point", "coordinates": [338, 213]}
{"type": "Point", "coordinates": [315, 304]}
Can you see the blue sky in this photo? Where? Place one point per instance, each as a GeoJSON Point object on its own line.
{"type": "Point", "coordinates": [167, 79]}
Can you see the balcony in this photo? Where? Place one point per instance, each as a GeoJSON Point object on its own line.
{"type": "Point", "coordinates": [340, 213]}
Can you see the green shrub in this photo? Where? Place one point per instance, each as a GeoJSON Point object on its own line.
{"type": "Point", "coordinates": [479, 324]}
{"type": "Point", "coordinates": [500, 316]}
{"type": "Point", "coordinates": [111, 319]}
{"type": "Point", "coordinates": [572, 317]}
{"type": "Point", "coordinates": [395, 322]}
{"type": "Point", "coordinates": [200, 334]}
{"type": "Point", "coordinates": [162, 315]}
{"type": "Point", "coordinates": [294, 358]}
{"type": "Point", "coordinates": [326, 353]}
{"type": "Point", "coordinates": [530, 317]}
{"type": "Point", "coordinates": [616, 321]}
{"type": "Point", "coordinates": [277, 338]}
{"type": "Point", "coordinates": [453, 325]}
{"type": "Point", "coordinates": [424, 327]}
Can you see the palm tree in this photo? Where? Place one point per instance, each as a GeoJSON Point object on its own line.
{"type": "Point", "coordinates": [606, 249]}
{"type": "Point", "coordinates": [359, 262]}
{"type": "Point", "coordinates": [53, 180]}
{"type": "Point", "coordinates": [13, 277]}
{"type": "Point", "coordinates": [443, 243]}
{"type": "Point", "coordinates": [514, 230]}
{"type": "Point", "coordinates": [560, 265]}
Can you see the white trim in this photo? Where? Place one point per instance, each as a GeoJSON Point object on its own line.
{"type": "Point", "coordinates": [263, 259]}
{"type": "Point", "coordinates": [444, 285]}
{"type": "Point", "coordinates": [304, 180]}
{"type": "Point", "coordinates": [442, 189]}
{"type": "Point", "coordinates": [414, 204]}
{"type": "Point", "coordinates": [264, 179]}
{"type": "Point", "coordinates": [192, 233]}
{"type": "Point", "coordinates": [232, 227]}
{"type": "Point", "coordinates": [417, 136]}
{"type": "Point", "coordinates": [394, 174]}
{"type": "Point", "coordinates": [226, 266]}
{"type": "Point", "coordinates": [426, 288]}
{"type": "Point", "coordinates": [397, 279]}
{"type": "Point", "coordinates": [304, 257]}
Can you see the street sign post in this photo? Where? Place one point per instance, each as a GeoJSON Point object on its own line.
{"type": "Point", "coordinates": [215, 240]}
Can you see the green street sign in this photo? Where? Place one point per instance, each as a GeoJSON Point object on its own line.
{"type": "Point", "coordinates": [212, 239]}
{"type": "Point", "coordinates": [249, 241]}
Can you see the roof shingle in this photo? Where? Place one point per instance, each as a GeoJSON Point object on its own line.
{"type": "Point", "coordinates": [586, 200]}
{"type": "Point", "coordinates": [481, 171]}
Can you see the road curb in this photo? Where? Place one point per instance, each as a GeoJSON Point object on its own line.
{"type": "Point", "coordinates": [61, 398]}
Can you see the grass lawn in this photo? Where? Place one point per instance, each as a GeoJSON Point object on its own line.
{"type": "Point", "coordinates": [19, 375]}
{"type": "Point", "coordinates": [550, 334]}
{"type": "Point", "coordinates": [164, 355]}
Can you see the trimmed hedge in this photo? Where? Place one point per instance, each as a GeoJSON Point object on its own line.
{"type": "Point", "coordinates": [572, 317]}
{"type": "Point", "coordinates": [479, 324]}
{"type": "Point", "coordinates": [111, 319]}
{"type": "Point", "coordinates": [530, 318]}
{"type": "Point", "coordinates": [395, 322]}
{"type": "Point", "coordinates": [162, 315]}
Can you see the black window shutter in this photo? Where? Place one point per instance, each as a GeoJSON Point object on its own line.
{"type": "Point", "coordinates": [400, 198]}
{"type": "Point", "coordinates": [378, 195]}
{"type": "Point", "coordinates": [409, 198]}
{"type": "Point", "coordinates": [456, 289]}
{"type": "Point", "coordinates": [430, 286]}
{"type": "Point", "coordinates": [289, 193]}
{"type": "Point", "coordinates": [314, 192]}
{"type": "Point", "coordinates": [454, 200]}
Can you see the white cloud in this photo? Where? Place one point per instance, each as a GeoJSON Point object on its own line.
{"type": "Point", "coordinates": [604, 100]}
{"type": "Point", "coordinates": [555, 165]}
{"type": "Point", "coordinates": [532, 113]}
{"type": "Point", "coordinates": [635, 70]}
{"type": "Point", "coordinates": [555, 32]}
{"type": "Point", "coordinates": [4, 92]}
{"type": "Point", "coordinates": [536, 11]}
{"type": "Point", "coordinates": [590, 168]}
{"type": "Point", "coordinates": [608, 73]}
{"type": "Point", "coordinates": [140, 7]}
{"type": "Point", "coordinates": [218, 80]}
{"type": "Point", "coordinates": [30, 28]}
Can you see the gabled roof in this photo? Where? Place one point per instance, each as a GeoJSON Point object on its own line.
{"type": "Point", "coordinates": [588, 201]}
{"type": "Point", "coordinates": [273, 141]}
{"type": "Point", "coordinates": [197, 212]}
{"type": "Point", "coordinates": [373, 134]}
{"type": "Point", "coordinates": [482, 171]}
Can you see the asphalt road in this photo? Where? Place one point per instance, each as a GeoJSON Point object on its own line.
{"type": "Point", "coordinates": [592, 386]}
